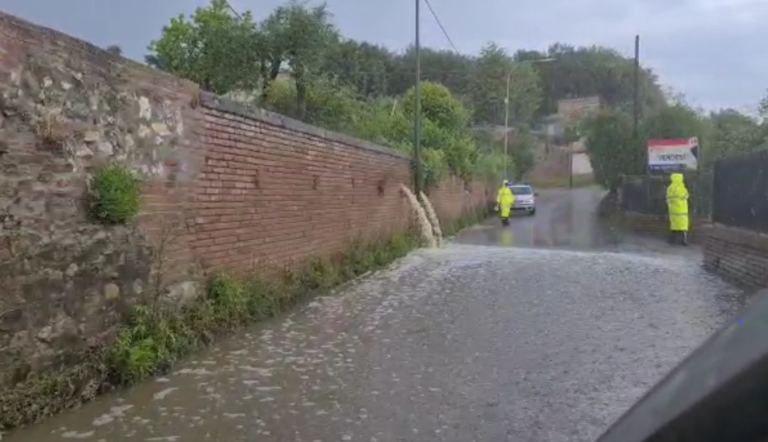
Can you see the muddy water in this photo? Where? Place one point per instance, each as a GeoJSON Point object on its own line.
{"type": "Point", "coordinates": [464, 343]}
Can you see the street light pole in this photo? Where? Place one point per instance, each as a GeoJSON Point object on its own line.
{"type": "Point", "coordinates": [418, 185]}
{"type": "Point", "coordinates": [506, 126]}
{"type": "Point", "coordinates": [506, 110]}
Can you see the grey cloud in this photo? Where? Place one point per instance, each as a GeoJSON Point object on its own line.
{"type": "Point", "coordinates": [706, 49]}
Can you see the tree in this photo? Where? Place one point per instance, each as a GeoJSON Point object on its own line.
{"type": "Point", "coordinates": [489, 88]}
{"type": "Point", "coordinates": [114, 50]}
{"type": "Point", "coordinates": [328, 104]}
{"type": "Point", "coordinates": [521, 148]}
{"type": "Point", "coordinates": [444, 127]}
{"type": "Point", "coordinates": [612, 150]}
{"type": "Point", "coordinates": [593, 71]}
{"type": "Point", "coordinates": [154, 61]}
{"type": "Point", "coordinates": [365, 67]}
{"type": "Point", "coordinates": [732, 133]}
{"type": "Point", "coordinates": [301, 37]}
{"type": "Point", "coordinates": [762, 109]}
{"type": "Point", "coordinates": [440, 66]}
{"type": "Point", "coordinates": [213, 47]}
{"type": "Point", "coordinates": [675, 121]}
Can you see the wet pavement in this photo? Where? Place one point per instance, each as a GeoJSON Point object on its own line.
{"type": "Point", "coordinates": [547, 337]}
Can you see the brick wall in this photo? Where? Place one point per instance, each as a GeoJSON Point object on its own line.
{"type": "Point", "coordinates": [274, 189]}
{"type": "Point", "coordinates": [739, 255]}
{"type": "Point", "coordinates": [225, 188]}
{"type": "Point", "coordinates": [453, 197]}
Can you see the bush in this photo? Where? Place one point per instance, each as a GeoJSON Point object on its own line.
{"type": "Point", "coordinates": [153, 339]}
{"type": "Point", "coordinates": [115, 194]}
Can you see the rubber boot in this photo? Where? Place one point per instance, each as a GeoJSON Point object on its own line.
{"type": "Point", "coordinates": [671, 237]}
{"type": "Point", "coordinates": [684, 238]}
{"type": "Point", "coordinates": [505, 222]}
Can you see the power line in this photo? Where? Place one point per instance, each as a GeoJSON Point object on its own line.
{"type": "Point", "coordinates": [440, 24]}
{"type": "Point", "coordinates": [231, 9]}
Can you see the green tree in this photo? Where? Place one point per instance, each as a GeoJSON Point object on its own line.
{"type": "Point", "coordinates": [521, 148]}
{"type": "Point", "coordinates": [489, 88]}
{"type": "Point", "coordinates": [154, 61]}
{"type": "Point", "coordinates": [448, 68]}
{"type": "Point", "coordinates": [213, 47]}
{"type": "Point", "coordinates": [732, 133]}
{"type": "Point", "coordinates": [437, 105]}
{"type": "Point", "coordinates": [445, 129]}
{"type": "Point", "coordinates": [612, 149]}
{"type": "Point", "coordinates": [114, 49]}
{"type": "Point", "coordinates": [676, 121]}
{"type": "Point", "coordinates": [328, 104]}
{"type": "Point", "coordinates": [589, 71]}
{"type": "Point", "coordinates": [302, 38]}
{"type": "Point", "coordinates": [365, 67]}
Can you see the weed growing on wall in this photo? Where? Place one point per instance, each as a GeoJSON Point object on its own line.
{"type": "Point", "coordinates": [154, 336]}
{"type": "Point", "coordinates": [115, 194]}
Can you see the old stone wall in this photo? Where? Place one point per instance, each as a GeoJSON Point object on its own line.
{"type": "Point", "coordinates": [224, 188]}
{"type": "Point", "coordinates": [65, 106]}
{"type": "Point", "coordinates": [739, 255]}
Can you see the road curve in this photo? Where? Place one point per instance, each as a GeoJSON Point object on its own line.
{"type": "Point", "coordinates": [548, 340]}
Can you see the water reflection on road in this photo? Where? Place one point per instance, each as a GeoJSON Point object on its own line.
{"type": "Point", "coordinates": [547, 341]}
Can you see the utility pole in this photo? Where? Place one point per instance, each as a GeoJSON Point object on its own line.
{"type": "Point", "coordinates": [636, 95]}
{"type": "Point", "coordinates": [636, 119]}
{"type": "Point", "coordinates": [418, 172]}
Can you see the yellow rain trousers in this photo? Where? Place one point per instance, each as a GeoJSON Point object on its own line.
{"type": "Point", "coordinates": [504, 200]}
{"type": "Point", "coordinates": [677, 203]}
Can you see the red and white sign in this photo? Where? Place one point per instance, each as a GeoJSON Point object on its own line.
{"type": "Point", "coordinates": [673, 154]}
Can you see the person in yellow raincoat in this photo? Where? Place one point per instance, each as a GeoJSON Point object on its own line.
{"type": "Point", "coordinates": [504, 201]}
{"type": "Point", "coordinates": [677, 203]}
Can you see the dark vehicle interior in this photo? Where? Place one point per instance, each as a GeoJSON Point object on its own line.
{"type": "Point", "coordinates": [719, 393]}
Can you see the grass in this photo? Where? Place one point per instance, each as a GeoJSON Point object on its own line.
{"type": "Point", "coordinates": [115, 194]}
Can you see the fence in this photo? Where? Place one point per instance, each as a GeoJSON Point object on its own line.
{"type": "Point", "coordinates": [647, 194]}
{"type": "Point", "coordinates": [740, 196]}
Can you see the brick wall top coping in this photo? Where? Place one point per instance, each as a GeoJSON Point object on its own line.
{"type": "Point", "coordinates": [12, 23]}
{"type": "Point", "coordinates": [212, 101]}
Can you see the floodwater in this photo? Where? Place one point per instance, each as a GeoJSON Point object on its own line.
{"type": "Point", "coordinates": [547, 330]}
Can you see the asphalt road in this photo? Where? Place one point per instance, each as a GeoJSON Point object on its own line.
{"type": "Point", "coordinates": [545, 331]}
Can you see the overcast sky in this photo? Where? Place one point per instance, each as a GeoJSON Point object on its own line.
{"type": "Point", "coordinates": [709, 50]}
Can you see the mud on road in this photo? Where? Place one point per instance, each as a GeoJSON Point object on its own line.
{"type": "Point", "coordinates": [549, 338]}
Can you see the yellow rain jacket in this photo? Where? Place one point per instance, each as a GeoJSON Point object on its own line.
{"type": "Point", "coordinates": [677, 203]}
{"type": "Point", "coordinates": [504, 200]}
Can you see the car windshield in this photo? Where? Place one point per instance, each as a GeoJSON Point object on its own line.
{"type": "Point", "coordinates": [522, 190]}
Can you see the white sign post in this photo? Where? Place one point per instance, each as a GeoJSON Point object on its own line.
{"type": "Point", "coordinates": [673, 155]}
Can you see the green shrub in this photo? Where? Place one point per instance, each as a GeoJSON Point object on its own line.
{"type": "Point", "coordinates": [152, 339]}
{"type": "Point", "coordinates": [115, 194]}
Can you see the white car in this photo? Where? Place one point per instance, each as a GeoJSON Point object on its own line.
{"type": "Point", "coordinates": [525, 198]}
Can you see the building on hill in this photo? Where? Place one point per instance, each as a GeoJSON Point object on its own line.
{"type": "Point", "coordinates": [569, 109]}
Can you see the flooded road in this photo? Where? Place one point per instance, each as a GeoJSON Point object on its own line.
{"type": "Point", "coordinates": [549, 341]}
